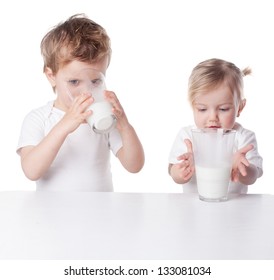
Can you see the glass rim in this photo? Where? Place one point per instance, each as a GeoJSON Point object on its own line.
{"type": "Point", "coordinates": [213, 130]}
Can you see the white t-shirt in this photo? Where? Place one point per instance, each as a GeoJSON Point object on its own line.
{"type": "Point", "coordinates": [243, 137]}
{"type": "Point", "coordinates": [83, 161]}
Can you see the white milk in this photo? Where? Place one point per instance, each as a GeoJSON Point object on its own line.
{"type": "Point", "coordinates": [213, 183]}
{"type": "Point", "coordinates": [102, 117]}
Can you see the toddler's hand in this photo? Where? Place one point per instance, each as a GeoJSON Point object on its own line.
{"type": "Point", "coordinates": [183, 171]}
{"type": "Point", "coordinates": [118, 110]}
{"type": "Point", "coordinates": [77, 113]}
{"type": "Point", "coordinates": [240, 163]}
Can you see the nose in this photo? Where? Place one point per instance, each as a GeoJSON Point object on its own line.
{"type": "Point", "coordinates": [213, 116]}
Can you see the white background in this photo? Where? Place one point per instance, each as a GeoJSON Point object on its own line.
{"type": "Point", "coordinates": [155, 46]}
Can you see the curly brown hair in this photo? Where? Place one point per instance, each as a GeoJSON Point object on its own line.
{"type": "Point", "coordinates": [78, 38]}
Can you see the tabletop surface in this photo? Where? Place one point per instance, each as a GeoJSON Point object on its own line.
{"type": "Point", "coordinates": [52, 225]}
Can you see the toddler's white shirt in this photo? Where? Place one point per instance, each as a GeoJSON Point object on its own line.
{"type": "Point", "coordinates": [83, 161]}
{"type": "Point", "coordinates": [243, 137]}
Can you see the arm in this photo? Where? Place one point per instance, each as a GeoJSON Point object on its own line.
{"type": "Point", "coordinates": [36, 160]}
{"type": "Point", "coordinates": [183, 171]}
{"type": "Point", "coordinates": [242, 170]}
{"type": "Point", "coordinates": [131, 155]}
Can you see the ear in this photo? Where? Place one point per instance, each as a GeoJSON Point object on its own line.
{"type": "Point", "coordinates": [50, 76]}
{"type": "Point", "coordinates": [241, 107]}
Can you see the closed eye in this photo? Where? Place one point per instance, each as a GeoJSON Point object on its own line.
{"type": "Point", "coordinates": [224, 109]}
{"type": "Point", "coordinates": [201, 109]}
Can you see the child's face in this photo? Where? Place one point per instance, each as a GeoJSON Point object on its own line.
{"type": "Point", "coordinates": [215, 108]}
{"type": "Point", "coordinates": [60, 80]}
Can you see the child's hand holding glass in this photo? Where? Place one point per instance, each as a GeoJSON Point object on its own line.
{"type": "Point", "coordinates": [184, 170]}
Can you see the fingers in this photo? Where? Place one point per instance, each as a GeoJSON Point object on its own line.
{"type": "Point", "coordinates": [189, 151]}
{"type": "Point", "coordinates": [183, 156]}
{"type": "Point", "coordinates": [242, 169]}
{"type": "Point", "coordinates": [184, 164]}
{"type": "Point", "coordinates": [246, 149]}
{"type": "Point", "coordinates": [78, 111]}
{"type": "Point", "coordinates": [235, 175]}
{"type": "Point", "coordinates": [117, 108]}
{"type": "Point", "coordinates": [184, 170]}
{"type": "Point", "coordinates": [82, 101]}
{"type": "Point", "coordinates": [244, 161]}
{"type": "Point", "coordinates": [241, 163]}
{"type": "Point", "coordinates": [188, 145]}
{"type": "Point", "coordinates": [187, 157]}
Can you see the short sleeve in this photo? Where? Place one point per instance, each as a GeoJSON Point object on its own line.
{"type": "Point", "coordinates": [179, 147]}
{"type": "Point", "coordinates": [115, 141]}
{"type": "Point", "coordinates": [32, 130]}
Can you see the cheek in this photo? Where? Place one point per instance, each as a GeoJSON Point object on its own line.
{"type": "Point", "coordinates": [64, 96]}
{"type": "Point", "coordinates": [229, 121]}
{"type": "Point", "coordinates": [198, 119]}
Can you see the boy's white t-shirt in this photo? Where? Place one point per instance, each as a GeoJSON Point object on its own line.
{"type": "Point", "coordinates": [243, 137]}
{"type": "Point", "coordinates": [83, 161]}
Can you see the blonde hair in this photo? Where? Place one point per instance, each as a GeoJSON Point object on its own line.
{"type": "Point", "coordinates": [213, 72]}
{"type": "Point", "coordinates": [77, 38]}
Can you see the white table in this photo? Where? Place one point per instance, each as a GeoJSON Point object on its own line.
{"type": "Point", "coordinates": [52, 225]}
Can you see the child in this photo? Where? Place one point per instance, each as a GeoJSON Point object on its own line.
{"type": "Point", "coordinates": [215, 92]}
{"type": "Point", "coordinates": [57, 147]}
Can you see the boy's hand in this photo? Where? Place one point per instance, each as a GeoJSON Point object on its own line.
{"type": "Point", "coordinates": [183, 171]}
{"type": "Point", "coordinates": [118, 110]}
{"type": "Point", "coordinates": [240, 163]}
{"type": "Point", "coordinates": [77, 113]}
{"type": "Point", "coordinates": [131, 154]}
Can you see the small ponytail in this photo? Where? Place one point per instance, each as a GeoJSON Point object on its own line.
{"type": "Point", "coordinates": [246, 71]}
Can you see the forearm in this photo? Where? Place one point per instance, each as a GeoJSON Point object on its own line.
{"type": "Point", "coordinates": [131, 155]}
{"type": "Point", "coordinates": [36, 160]}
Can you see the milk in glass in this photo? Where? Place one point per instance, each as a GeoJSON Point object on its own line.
{"type": "Point", "coordinates": [213, 152]}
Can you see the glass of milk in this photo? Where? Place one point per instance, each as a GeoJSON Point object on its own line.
{"type": "Point", "coordinates": [91, 81]}
{"type": "Point", "coordinates": [213, 152]}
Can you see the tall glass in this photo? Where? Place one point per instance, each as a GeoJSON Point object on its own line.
{"type": "Point", "coordinates": [213, 153]}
